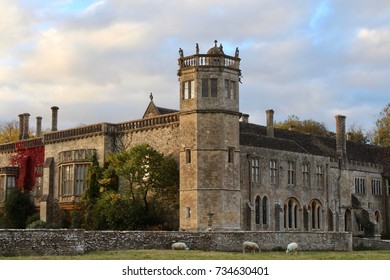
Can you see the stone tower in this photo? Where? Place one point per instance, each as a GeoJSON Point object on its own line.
{"type": "Point", "coordinates": [209, 138]}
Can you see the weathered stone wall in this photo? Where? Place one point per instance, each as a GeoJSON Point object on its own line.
{"type": "Point", "coordinates": [216, 241]}
{"type": "Point", "coordinates": [15, 242]}
{"type": "Point", "coordinates": [72, 242]}
{"type": "Point", "coordinates": [372, 244]}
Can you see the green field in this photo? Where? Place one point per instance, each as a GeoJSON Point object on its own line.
{"type": "Point", "coordinates": [210, 255]}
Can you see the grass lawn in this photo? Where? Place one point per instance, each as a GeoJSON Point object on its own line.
{"type": "Point", "coordinates": [211, 255]}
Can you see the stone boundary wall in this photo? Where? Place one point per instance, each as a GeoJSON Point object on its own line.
{"type": "Point", "coordinates": [24, 242]}
{"type": "Point", "coordinates": [371, 244]}
{"type": "Point", "coordinates": [78, 241]}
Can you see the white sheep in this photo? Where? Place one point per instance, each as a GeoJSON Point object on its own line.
{"type": "Point", "coordinates": [292, 248]}
{"type": "Point", "coordinates": [179, 246]}
{"type": "Point", "coordinates": [251, 246]}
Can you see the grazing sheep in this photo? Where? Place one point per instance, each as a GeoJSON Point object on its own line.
{"type": "Point", "coordinates": [292, 248]}
{"type": "Point", "coordinates": [179, 246]}
{"type": "Point", "coordinates": [251, 246]}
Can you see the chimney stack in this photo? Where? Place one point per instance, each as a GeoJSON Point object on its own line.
{"type": "Point", "coordinates": [21, 125]}
{"type": "Point", "coordinates": [39, 127]}
{"type": "Point", "coordinates": [270, 123]}
{"type": "Point", "coordinates": [341, 145]}
{"type": "Point", "coordinates": [54, 118]}
{"type": "Point", "coordinates": [26, 121]}
{"type": "Point", "coordinates": [244, 118]}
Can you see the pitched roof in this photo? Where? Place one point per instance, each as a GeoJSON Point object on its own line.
{"type": "Point", "coordinates": [294, 141]}
{"type": "Point", "coordinates": [152, 110]}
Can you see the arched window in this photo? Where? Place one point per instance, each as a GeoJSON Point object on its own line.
{"type": "Point", "coordinates": [257, 210]}
{"type": "Point", "coordinates": [265, 210]}
{"type": "Point", "coordinates": [377, 216]}
{"type": "Point", "coordinates": [316, 214]}
{"type": "Point", "coordinates": [291, 214]}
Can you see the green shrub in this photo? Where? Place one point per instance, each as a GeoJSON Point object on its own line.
{"type": "Point", "coordinates": [18, 207]}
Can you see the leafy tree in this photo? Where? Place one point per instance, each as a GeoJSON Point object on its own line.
{"type": "Point", "coordinates": [148, 173]}
{"type": "Point", "coordinates": [357, 134]}
{"type": "Point", "coordinates": [18, 208]}
{"type": "Point", "coordinates": [9, 131]}
{"type": "Point", "coordinates": [148, 197]}
{"type": "Point", "coordinates": [305, 126]}
{"type": "Point", "coordinates": [382, 132]}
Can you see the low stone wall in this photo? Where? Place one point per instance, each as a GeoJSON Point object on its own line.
{"type": "Point", "coordinates": [371, 244]}
{"type": "Point", "coordinates": [216, 241]}
{"type": "Point", "coordinates": [25, 242]}
{"type": "Point", "coordinates": [73, 241]}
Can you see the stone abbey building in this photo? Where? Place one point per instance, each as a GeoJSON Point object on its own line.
{"type": "Point", "coordinates": [234, 175]}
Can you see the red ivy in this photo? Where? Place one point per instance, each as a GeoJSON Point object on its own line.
{"type": "Point", "coordinates": [30, 163]}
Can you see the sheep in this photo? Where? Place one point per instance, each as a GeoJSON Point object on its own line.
{"type": "Point", "coordinates": [251, 246]}
{"type": "Point", "coordinates": [179, 246]}
{"type": "Point", "coordinates": [292, 248]}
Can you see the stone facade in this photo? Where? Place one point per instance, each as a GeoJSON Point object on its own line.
{"type": "Point", "coordinates": [234, 175]}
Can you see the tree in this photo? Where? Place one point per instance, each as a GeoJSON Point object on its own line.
{"type": "Point", "coordinates": [148, 193]}
{"type": "Point", "coordinates": [382, 132]}
{"type": "Point", "coordinates": [149, 174]}
{"type": "Point", "coordinates": [9, 131]}
{"type": "Point", "coordinates": [18, 207]}
{"type": "Point", "coordinates": [357, 134]}
{"type": "Point", "coordinates": [305, 126]}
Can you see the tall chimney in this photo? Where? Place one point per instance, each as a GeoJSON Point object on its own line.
{"type": "Point", "coordinates": [26, 121]}
{"type": "Point", "coordinates": [54, 118]}
{"type": "Point", "coordinates": [270, 123]}
{"type": "Point", "coordinates": [341, 145]}
{"type": "Point", "coordinates": [21, 126]}
{"type": "Point", "coordinates": [39, 127]}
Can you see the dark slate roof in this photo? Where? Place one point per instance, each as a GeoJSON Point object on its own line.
{"type": "Point", "coordinates": [164, 111]}
{"type": "Point", "coordinates": [294, 141]}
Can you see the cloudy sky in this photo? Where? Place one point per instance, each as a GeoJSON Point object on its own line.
{"type": "Point", "coordinates": [98, 61]}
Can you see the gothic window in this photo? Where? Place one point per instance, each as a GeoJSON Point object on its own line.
{"type": "Point", "coordinates": [257, 210]}
{"type": "Point", "coordinates": [188, 89]}
{"type": "Point", "coordinates": [316, 214]}
{"type": "Point", "coordinates": [360, 185]}
{"type": "Point", "coordinates": [255, 170]}
{"type": "Point", "coordinates": [376, 187]}
{"type": "Point", "coordinates": [273, 171]}
{"type": "Point", "coordinates": [320, 176]}
{"type": "Point", "coordinates": [291, 214]}
{"type": "Point", "coordinates": [306, 174]}
{"type": "Point", "coordinates": [291, 173]}
{"type": "Point", "coordinates": [265, 210]}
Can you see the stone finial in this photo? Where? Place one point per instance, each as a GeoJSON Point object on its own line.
{"type": "Point", "coordinates": [151, 96]}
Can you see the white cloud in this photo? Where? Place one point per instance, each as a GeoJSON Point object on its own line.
{"type": "Point", "coordinates": [99, 60]}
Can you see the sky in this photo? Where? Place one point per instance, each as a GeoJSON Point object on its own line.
{"type": "Point", "coordinates": [98, 60]}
